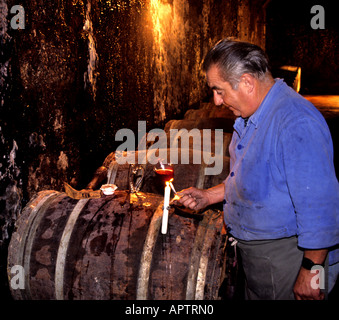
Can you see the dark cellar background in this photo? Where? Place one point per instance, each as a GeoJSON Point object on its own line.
{"type": "Point", "coordinates": [65, 90]}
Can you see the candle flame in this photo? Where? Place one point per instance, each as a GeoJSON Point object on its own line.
{"type": "Point", "coordinates": [168, 182]}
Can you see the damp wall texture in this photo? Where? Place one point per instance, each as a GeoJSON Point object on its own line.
{"type": "Point", "coordinates": [81, 70]}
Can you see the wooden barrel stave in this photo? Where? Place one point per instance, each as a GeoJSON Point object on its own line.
{"type": "Point", "coordinates": [20, 247]}
{"type": "Point", "coordinates": [46, 241]}
{"type": "Point", "coordinates": [173, 256]}
{"type": "Point", "coordinates": [111, 243]}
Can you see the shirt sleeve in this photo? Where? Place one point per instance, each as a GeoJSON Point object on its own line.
{"type": "Point", "coordinates": [306, 151]}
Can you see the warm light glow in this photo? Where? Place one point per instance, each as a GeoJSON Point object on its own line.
{"type": "Point", "coordinates": [297, 80]}
{"type": "Point", "coordinates": [160, 13]}
{"type": "Point", "coordinates": [161, 18]}
{"type": "Point", "coordinates": [91, 74]}
{"type": "Point", "coordinates": [168, 182]}
{"type": "Point", "coordinates": [328, 105]}
{"type": "Point", "coordinates": [169, 26]}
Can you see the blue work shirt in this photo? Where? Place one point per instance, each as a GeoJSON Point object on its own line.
{"type": "Point", "coordinates": [282, 180]}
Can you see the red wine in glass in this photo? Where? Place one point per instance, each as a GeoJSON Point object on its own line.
{"type": "Point", "coordinates": [164, 171]}
{"type": "Point", "coordinates": [166, 174]}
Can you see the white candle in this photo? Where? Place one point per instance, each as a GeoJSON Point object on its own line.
{"type": "Point", "coordinates": [166, 204]}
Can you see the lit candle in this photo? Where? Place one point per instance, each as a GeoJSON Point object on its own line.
{"type": "Point", "coordinates": [166, 204]}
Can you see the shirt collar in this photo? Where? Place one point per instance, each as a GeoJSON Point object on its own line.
{"type": "Point", "coordinates": [265, 105]}
{"type": "Point", "coordinates": [263, 108]}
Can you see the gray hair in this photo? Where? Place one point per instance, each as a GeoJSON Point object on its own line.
{"type": "Point", "coordinates": [234, 58]}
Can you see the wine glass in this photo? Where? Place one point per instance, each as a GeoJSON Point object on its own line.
{"type": "Point", "coordinates": [164, 171]}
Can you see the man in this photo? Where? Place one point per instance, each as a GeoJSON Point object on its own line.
{"type": "Point", "coordinates": [281, 198]}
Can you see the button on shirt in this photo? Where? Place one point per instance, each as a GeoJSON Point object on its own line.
{"type": "Point", "coordinates": [282, 179]}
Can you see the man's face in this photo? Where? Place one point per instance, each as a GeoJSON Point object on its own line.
{"type": "Point", "coordinates": [223, 93]}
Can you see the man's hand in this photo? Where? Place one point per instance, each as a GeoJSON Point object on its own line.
{"type": "Point", "coordinates": [194, 198]}
{"type": "Point", "coordinates": [303, 289]}
{"type": "Point", "coordinates": [197, 199]}
{"type": "Point", "coordinates": [303, 286]}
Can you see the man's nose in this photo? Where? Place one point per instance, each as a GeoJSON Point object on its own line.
{"type": "Point", "coordinates": [218, 100]}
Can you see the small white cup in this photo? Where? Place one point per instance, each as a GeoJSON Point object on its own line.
{"type": "Point", "coordinates": [108, 189]}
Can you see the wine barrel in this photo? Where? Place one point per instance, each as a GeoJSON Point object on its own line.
{"type": "Point", "coordinates": [201, 123]}
{"type": "Point", "coordinates": [209, 110]}
{"type": "Point", "coordinates": [110, 248]}
{"type": "Point", "coordinates": [194, 138]}
{"type": "Point", "coordinates": [191, 174]}
{"type": "Point", "coordinates": [192, 142]}
{"type": "Point", "coordinates": [193, 114]}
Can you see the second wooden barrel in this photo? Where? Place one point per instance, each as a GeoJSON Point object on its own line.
{"type": "Point", "coordinates": [111, 248]}
{"type": "Point", "coordinates": [209, 110]}
{"type": "Point", "coordinates": [192, 174]}
{"type": "Point", "coordinates": [201, 123]}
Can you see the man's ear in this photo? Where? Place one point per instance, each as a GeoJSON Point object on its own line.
{"type": "Point", "coordinates": [248, 82]}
